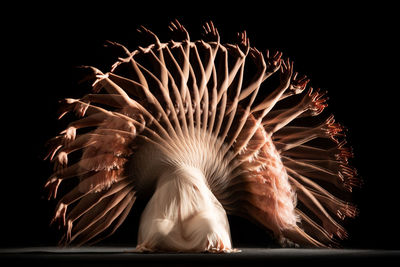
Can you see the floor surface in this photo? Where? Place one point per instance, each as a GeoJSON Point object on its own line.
{"type": "Point", "coordinates": [125, 256]}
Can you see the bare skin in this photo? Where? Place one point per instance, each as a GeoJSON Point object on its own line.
{"type": "Point", "coordinates": [187, 118]}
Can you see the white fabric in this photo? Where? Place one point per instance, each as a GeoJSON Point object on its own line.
{"type": "Point", "coordinates": [184, 215]}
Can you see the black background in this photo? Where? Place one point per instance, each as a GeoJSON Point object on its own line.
{"type": "Point", "coordinates": [347, 50]}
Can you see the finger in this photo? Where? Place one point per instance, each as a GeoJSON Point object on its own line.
{"type": "Point", "coordinates": [108, 43]}
{"type": "Point", "coordinates": [212, 26]}
{"type": "Point", "coordinates": [291, 67]}
{"type": "Point", "coordinates": [178, 24]}
{"type": "Point", "coordinates": [208, 27]}
{"type": "Point", "coordinates": [303, 78]}
{"type": "Point", "coordinates": [281, 68]}
{"type": "Point", "coordinates": [256, 52]}
{"type": "Point", "coordinates": [174, 25]}
{"type": "Point", "coordinates": [283, 64]}
{"type": "Point", "coordinates": [321, 95]}
{"type": "Point", "coordinates": [143, 28]}
{"type": "Point", "coordinates": [252, 55]}
{"type": "Point", "coordinates": [184, 30]}
{"type": "Point", "coordinates": [303, 83]}
{"type": "Point", "coordinates": [278, 55]}
{"type": "Point", "coordinates": [267, 53]}
{"type": "Point", "coordinates": [240, 35]}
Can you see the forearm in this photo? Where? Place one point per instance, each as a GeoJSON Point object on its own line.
{"type": "Point", "coordinates": [285, 118]}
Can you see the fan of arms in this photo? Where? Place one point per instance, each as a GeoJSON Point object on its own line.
{"type": "Point", "coordinates": [204, 129]}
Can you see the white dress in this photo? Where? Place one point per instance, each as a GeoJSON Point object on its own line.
{"type": "Point", "coordinates": [184, 215]}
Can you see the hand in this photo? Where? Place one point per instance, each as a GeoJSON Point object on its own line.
{"type": "Point", "coordinates": [86, 74]}
{"type": "Point", "coordinates": [298, 84]}
{"type": "Point", "coordinates": [52, 185]}
{"type": "Point", "coordinates": [150, 37]}
{"type": "Point", "coordinates": [179, 32]}
{"type": "Point", "coordinates": [244, 42]}
{"type": "Point", "coordinates": [59, 217]}
{"type": "Point", "coordinates": [235, 50]}
{"type": "Point", "coordinates": [69, 134]}
{"type": "Point", "coordinates": [258, 58]}
{"type": "Point", "coordinates": [333, 129]}
{"type": "Point", "coordinates": [118, 49]}
{"type": "Point", "coordinates": [54, 145]}
{"type": "Point", "coordinates": [273, 62]}
{"type": "Point", "coordinates": [82, 106]}
{"type": "Point", "coordinates": [286, 73]}
{"type": "Point", "coordinates": [60, 161]}
{"type": "Point", "coordinates": [69, 104]}
{"type": "Point", "coordinates": [205, 45]}
{"type": "Point", "coordinates": [314, 102]}
{"type": "Point", "coordinates": [211, 33]}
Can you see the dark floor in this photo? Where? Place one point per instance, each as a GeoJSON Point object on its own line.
{"type": "Point", "coordinates": [125, 256]}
